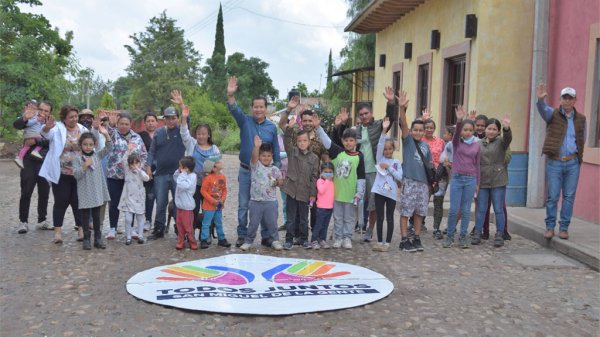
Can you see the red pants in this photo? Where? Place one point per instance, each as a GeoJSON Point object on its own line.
{"type": "Point", "coordinates": [184, 222]}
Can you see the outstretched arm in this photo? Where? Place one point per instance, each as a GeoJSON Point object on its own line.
{"type": "Point", "coordinates": [292, 104]}
{"type": "Point", "coordinates": [403, 104]}
{"type": "Point", "coordinates": [257, 144]}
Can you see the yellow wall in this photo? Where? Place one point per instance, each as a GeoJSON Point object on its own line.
{"type": "Point", "coordinates": [500, 57]}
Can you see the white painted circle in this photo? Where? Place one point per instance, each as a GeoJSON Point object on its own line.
{"type": "Point", "coordinates": [259, 285]}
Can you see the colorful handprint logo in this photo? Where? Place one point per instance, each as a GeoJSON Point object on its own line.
{"type": "Point", "coordinates": [213, 274]}
{"type": "Point", "coordinates": [302, 272]}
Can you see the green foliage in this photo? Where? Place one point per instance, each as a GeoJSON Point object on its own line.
{"type": "Point", "coordinates": [215, 77]}
{"type": "Point", "coordinates": [219, 35]}
{"type": "Point", "coordinates": [329, 86]}
{"type": "Point", "coordinates": [107, 102]}
{"type": "Point", "coordinates": [252, 77]}
{"type": "Point", "coordinates": [204, 110]}
{"type": "Point", "coordinates": [33, 59]}
{"type": "Point", "coordinates": [161, 60]}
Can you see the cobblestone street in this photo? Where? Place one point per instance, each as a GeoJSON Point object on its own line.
{"type": "Point", "coordinates": [522, 289]}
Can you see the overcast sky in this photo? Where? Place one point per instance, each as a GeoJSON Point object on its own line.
{"type": "Point", "coordinates": [293, 36]}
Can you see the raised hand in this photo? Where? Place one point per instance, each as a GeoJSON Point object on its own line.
{"type": "Point", "coordinates": [472, 115]}
{"type": "Point", "coordinates": [506, 121]}
{"type": "Point", "coordinates": [96, 122]}
{"type": "Point", "coordinates": [389, 94]}
{"type": "Point", "coordinates": [50, 123]}
{"type": "Point", "coordinates": [232, 86]}
{"type": "Point", "coordinates": [540, 90]}
{"type": "Point", "coordinates": [426, 114]}
{"type": "Point", "coordinates": [113, 117]}
{"type": "Point", "coordinates": [103, 131]}
{"type": "Point", "coordinates": [403, 100]}
{"type": "Point", "coordinates": [30, 111]}
{"type": "Point", "coordinates": [341, 117]}
{"type": "Point", "coordinates": [291, 122]}
{"type": "Point", "coordinates": [316, 121]}
{"type": "Point", "coordinates": [386, 124]}
{"type": "Point", "coordinates": [176, 97]}
{"type": "Point", "coordinates": [383, 166]}
{"type": "Point", "coordinates": [460, 112]}
{"type": "Point", "coordinates": [293, 103]}
{"type": "Point", "coordinates": [257, 141]}
{"type": "Point", "coordinates": [185, 113]}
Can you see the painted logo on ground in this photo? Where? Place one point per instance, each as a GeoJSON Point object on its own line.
{"type": "Point", "coordinates": [260, 285]}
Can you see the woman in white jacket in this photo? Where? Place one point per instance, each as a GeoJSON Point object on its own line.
{"type": "Point", "coordinates": [58, 164]}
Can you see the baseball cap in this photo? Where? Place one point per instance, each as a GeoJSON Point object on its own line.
{"type": "Point", "coordinates": [86, 112]}
{"type": "Point", "coordinates": [568, 91]}
{"type": "Point", "coordinates": [170, 111]}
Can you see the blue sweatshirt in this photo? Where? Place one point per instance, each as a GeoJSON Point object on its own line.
{"type": "Point", "coordinates": [267, 131]}
{"type": "Point", "coordinates": [166, 150]}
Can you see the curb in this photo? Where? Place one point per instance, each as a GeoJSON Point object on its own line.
{"type": "Point", "coordinates": [528, 230]}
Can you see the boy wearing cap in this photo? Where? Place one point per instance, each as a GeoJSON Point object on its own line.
{"type": "Point", "coordinates": [563, 147]}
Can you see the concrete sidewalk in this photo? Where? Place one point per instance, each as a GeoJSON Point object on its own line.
{"type": "Point", "coordinates": [583, 244]}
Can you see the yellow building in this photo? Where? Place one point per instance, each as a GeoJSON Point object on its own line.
{"type": "Point", "coordinates": [449, 52]}
{"type": "Point", "coordinates": [446, 53]}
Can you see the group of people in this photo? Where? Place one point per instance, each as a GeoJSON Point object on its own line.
{"type": "Point", "coordinates": [94, 161]}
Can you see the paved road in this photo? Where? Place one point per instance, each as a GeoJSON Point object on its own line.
{"type": "Point", "coordinates": [522, 289]}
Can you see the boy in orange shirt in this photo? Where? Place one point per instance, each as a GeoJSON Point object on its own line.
{"type": "Point", "coordinates": [214, 193]}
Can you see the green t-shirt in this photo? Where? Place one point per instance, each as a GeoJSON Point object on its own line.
{"type": "Point", "coordinates": [347, 172]}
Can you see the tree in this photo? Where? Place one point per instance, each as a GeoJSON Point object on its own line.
{"type": "Point", "coordinates": [161, 60]}
{"type": "Point", "coordinates": [302, 88]}
{"type": "Point", "coordinates": [329, 86]}
{"type": "Point", "coordinates": [215, 79]}
{"type": "Point", "coordinates": [253, 79]}
{"type": "Point", "coordinates": [33, 59]}
{"type": "Point", "coordinates": [107, 102]}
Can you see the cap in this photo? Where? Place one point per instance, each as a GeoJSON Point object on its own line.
{"type": "Point", "coordinates": [86, 112]}
{"type": "Point", "coordinates": [568, 91]}
{"type": "Point", "coordinates": [170, 111]}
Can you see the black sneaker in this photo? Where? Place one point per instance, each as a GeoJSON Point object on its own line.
{"type": "Point", "coordinates": [266, 242]}
{"type": "Point", "coordinates": [445, 231]}
{"type": "Point", "coordinates": [406, 246]}
{"type": "Point", "coordinates": [87, 245]}
{"type": "Point", "coordinates": [498, 240]}
{"type": "Point", "coordinates": [156, 236]}
{"type": "Point", "coordinates": [437, 234]}
{"type": "Point", "coordinates": [416, 243]}
{"type": "Point", "coordinates": [224, 243]}
{"type": "Point", "coordinates": [485, 236]}
{"type": "Point", "coordinates": [506, 236]}
{"type": "Point", "coordinates": [204, 244]}
{"type": "Point", "coordinates": [476, 238]}
{"type": "Point", "coordinates": [239, 242]}
{"type": "Point", "coordinates": [99, 245]}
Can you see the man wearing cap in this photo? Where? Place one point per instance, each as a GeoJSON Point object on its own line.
{"type": "Point", "coordinates": [250, 126]}
{"type": "Point", "coordinates": [563, 147]}
{"type": "Point", "coordinates": [166, 150]}
{"type": "Point", "coordinates": [31, 169]}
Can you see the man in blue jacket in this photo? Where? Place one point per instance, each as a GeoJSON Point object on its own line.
{"type": "Point", "coordinates": [250, 126]}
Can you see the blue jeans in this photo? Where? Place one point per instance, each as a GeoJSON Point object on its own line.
{"type": "Point", "coordinates": [115, 189]}
{"type": "Point", "coordinates": [497, 194]}
{"type": "Point", "coordinates": [149, 186]}
{"type": "Point", "coordinates": [322, 224]}
{"type": "Point", "coordinates": [210, 216]}
{"type": "Point", "coordinates": [462, 191]}
{"type": "Point", "coordinates": [162, 185]}
{"type": "Point", "coordinates": [244, 178]}
{"type": "Point", "coordinates": [561, 175]}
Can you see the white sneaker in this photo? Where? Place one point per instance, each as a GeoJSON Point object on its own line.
{"type": "Point", "coordinates": [111, 234]}
{"type": "Point", "coordinates": [44, 225]}
{"type": "Point", "coordinates": [324, 245]}
{"type": "Point", "coordinates": [36, 154]}
{"type": "Point", "coordinates": [246, 246]}
{"type": "Point", "coordinates": [385, 247]}
{"type": "Point", "coordinates": [315, 245]}
{"type": "Point", "coordinates": [347, 243]}
{"type": "Point", "coordinates": [337, 243]}
{"type": "Point", "coordinates": [134, 235]}
{"type": "Point", "coordinates": [23, 228]}
{"type": "Point", "coordinates": [120, 230]}
{"type": "Point", "coordinates": [276, 245]}
{"type": "Point", "coordinates": [19, 162]}
{"type": "Point", "coordinates": [147, 226]}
